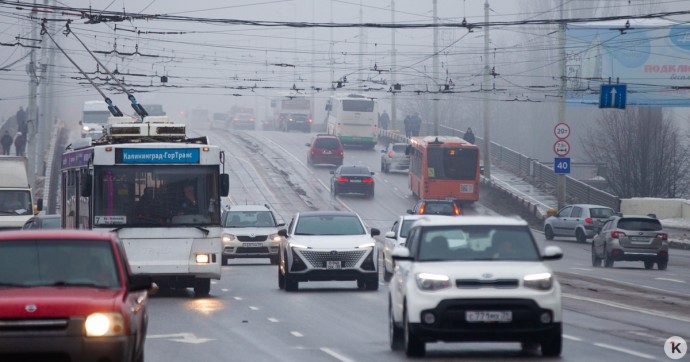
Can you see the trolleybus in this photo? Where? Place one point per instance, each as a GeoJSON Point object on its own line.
{"type": "Point", "coordinates": [444, 167]}
{"type": "Point", "coordinates": [159, 191]}
{"type": "Point", "coordinates": [353, 119]}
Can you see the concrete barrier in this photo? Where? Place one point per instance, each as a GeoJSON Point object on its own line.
{"type": "Point", "coordinates": [663, 208]}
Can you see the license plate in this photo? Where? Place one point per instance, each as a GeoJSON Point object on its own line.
{"type": "Point", "coordinates": [327, 152]}
{"type": "Point", "coordinates": [488, 316]}
{"type": "Point", "coordinates": [356, 181]}
{"type": "Point", "coordinates": [467, 189]}
{"type": "Point", "coordinates": [639, 238]}
{"type": "Point", "coordinates": [252, 245]}
{"type": "Point", "coordinates": [333, 264]}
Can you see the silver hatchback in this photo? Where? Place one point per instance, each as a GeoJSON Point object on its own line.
{"type": "Point", "coordinates": [394, 158]}
{"type": "Point", "coordinates": [579, 220]}
{"type": "Point", "coordinates": [631, 238]}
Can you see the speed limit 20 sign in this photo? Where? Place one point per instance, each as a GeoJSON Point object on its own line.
{"type": "Point", "coordinates": [562, 131]}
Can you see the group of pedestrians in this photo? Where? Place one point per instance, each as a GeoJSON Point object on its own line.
{"type": "Point", "coordinates": [413, 124]}
{"type": "Point", "coordinates": [19, 140]}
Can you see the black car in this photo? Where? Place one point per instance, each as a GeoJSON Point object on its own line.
{"type": "Point", "coordinates": [43, 222]}
{"type": "Point", "coordinates": [297, 121]}
{"type": "Point", "coordinates": [448, 207]}
{"type": "Point", "coordinates": [352, 179]}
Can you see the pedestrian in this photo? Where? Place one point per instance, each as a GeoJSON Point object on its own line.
{"type": "Point", "coordinates": [469, 135]}
{"type": "Point", "coordinates": [6, 142]}
{"type": "Point", "coordinates": [21, 118]}
{"type": "Point", "coordinates": [408, 126]}
{"type": "Point", "coordinates": [383, 120]}
{"type": "Point", "coordinates": [20, 144]}
{"type": "Point", "coordinates": [416, 124]}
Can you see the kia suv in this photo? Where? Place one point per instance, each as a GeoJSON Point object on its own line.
{"type": "Point", "coordinates": [325, 149]}
{"type": "Point", "coordinates": [580, 220]}
{"type": "Point", "coordinates": [250, 231]}
{"type": "Point", "coordinates": [631, 238]}
{"type": "Point", "coordinates": [470, 279]}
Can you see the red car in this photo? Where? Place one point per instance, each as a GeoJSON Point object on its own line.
{"type": "Point", "coordinates": [70, 295]}
{"type": "Point", "coordinates": [325, 149]}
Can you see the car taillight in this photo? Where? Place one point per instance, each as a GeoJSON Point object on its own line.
{"type": "Point", "coordinates": [588, 220]}
{"type": "Point", "coordinates": [309, 120]}
{"type": "Point", "coordinates": [235, 119]}
{"type": "Point", "coordinates": [662, 236]}
{"type": "Point", "coordinates": [338, 126]}
{"type": "Point", "coordinates": [251, 120]}
{"type": "Point", "coordinates": [343, 179]}
{"type": "Point", "coordinates": [616, 234]}
{"type": "Point", "coordinates": [313, 152]}
{"type": "Point", "coordinates": [390, 154]}
{"type": "Point", "coordinates": [341, 153]}
{"type": "Point", "coordinates": [368, 180]}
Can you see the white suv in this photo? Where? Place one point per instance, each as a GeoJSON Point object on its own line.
{"type": "Point", "coordinates": [474, 278]}
{"type": "Point", "coordinates": [250, 231]}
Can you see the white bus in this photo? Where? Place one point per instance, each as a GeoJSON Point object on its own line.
{"type": "Point", "coordinates": [159, 191]}
{"type": "Point", "coordinates": [353, 119]}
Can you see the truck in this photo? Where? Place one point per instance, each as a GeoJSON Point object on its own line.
{"type": "Point", "coordinates": [291, 107]}
{"type": "Point", "coordinates": [95, 116]}
{"type": "Point", "coordinates": [16, 200]}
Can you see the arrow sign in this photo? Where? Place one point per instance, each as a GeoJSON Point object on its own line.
{"type": "Point", "coordinates": [613, 96]}
{"type": "Point", "coordinates": [181, 337]}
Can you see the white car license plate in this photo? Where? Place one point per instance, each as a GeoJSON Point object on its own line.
{"type": "Point", "coordinates": [488, 316]}
{"type": "Point", "coordinates": [333, 264]}
{"type": "Point", "coordinates": [252, 245]}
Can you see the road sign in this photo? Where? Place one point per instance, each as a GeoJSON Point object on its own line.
{"type": "Point", "coordinates": [561, 165]}
{"type": "Point", "coordinates": [561, 148]}
{"type": "Point", "coordinates": [613, 96]}
{"type": "Point", "coordinates": [562, 131]}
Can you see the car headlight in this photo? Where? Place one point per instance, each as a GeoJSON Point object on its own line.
{"type": "Point", "coordinates": [367, 245]}
{"type": "Point", "coordinates": [228, 238]}
{"type": "Point", "coordinates": [104, 324]}
{"type": "Point", "coordinates": [426, 281]}
{"type": "Point", "coordinates": [298, 246]}
{"type": "Point", "coordinates": [274, 237]}
{"type": "Point", "coordinates": [541, 281]}
{"type": "Point", "coordinates": [85, 128]}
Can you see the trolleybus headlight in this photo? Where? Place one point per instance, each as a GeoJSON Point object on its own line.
{"type": "Point", "coordinates": [85, 128]}
{"type": "Point", "coordinates": [104, 324]}
{"type": "Point", "coordinates": [202, 258]}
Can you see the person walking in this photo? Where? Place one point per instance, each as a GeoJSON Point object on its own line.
{"type": "Point", "coordinates": [469, 135]}
{"type": "Point", "coordinates": [416, 124]}
{"type": "Point", "coordinates": [20, 143]}
{"type": "Point", "coordinates": [408, 126]}
{"type": "Point", "coordinates": [22, 119]}
{"type": "Point", "coordinates": [6, 142]}
{"type": "Point", "coordinates": [383, 120]}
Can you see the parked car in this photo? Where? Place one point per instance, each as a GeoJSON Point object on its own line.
{"type": "Point", "coordinates": [328, 245]}
{"type": "Point", "coordinates": [580, 220]}
{"type": "Point", "coordinates": [394, 158]}
{"type": "Point", "coordinates": [325, 149]}
{"type": "Point", "coordinates": [52, 221]}
{"type": "Point", "coordinates": [243, 120]}
{"type": "Point", "coordinates": [70, 295]}
{"type": "Point", "coordinates": [250, 231]}
{"type": "Point", "coordinates": [631, 238]}
{"type": "Point", "coordinates": [297, 121]}
{"type": "Point", "coordinates": [352, 180]}
{"type": "Point", "coordinates": [475, 278]}
{"type": "Point", "coordinates": [448, 207]}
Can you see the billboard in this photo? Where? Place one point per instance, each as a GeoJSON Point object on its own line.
{"type": "Point", "coordinates": [652, 58]}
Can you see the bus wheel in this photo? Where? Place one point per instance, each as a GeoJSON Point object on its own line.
{"type": "Point", "coordinates": [202, 287]}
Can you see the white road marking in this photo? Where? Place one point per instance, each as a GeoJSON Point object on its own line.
{"type": "Point", "coordinates": [336, 355]}
{"type": "Point", "coordinates": [647, 335]}
{"type": "Point", "coordinates": [214, 282]}
{"type": "Point", "coordinates": [224, 290]}
{"type": "Point", "coordinates": [273, 320]}
{"type": "Point", "coordinates": [644, 286]}
{"type": "Point", "coordinates": [624, 350]}
{"type": "Point", "coordinates": [237, 298]}
{"type": "Point", "coordinates": [297, 334]}
{"type": "Point", "coordinates": [572, 338]}
{"type": "Point", "coordinates": [671, 280]}
{"type": "Point", "coordinates": [628, 307]}
{"type": "Point", "coordinates": [254, 308]}
{"type": "Point", "coordinates": [585, 269]}
{"type": "Point", "coordinates": [180, 337]}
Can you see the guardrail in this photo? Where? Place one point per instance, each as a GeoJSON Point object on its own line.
{"type": "Point", "coordinates": [576, 191]}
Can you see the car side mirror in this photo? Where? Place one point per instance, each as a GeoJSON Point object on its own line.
{"type": "Point", "coordinates": [552, 253]}
{"type": "Point", "coordinates": [383, 151]}
{"type": "Point", "coordinates": [140, 282]}
{"type": "Point", "coordinates": [224, 184]}
{"type": "Point", "coordinates": [401, 253]}
{"type": "Point", "coordinates": [409, 211]}
{"type": "Point", "coordinates": [390, 235]}
{"type": "Point", "coordinates": [375, 231]}
{"type": "Point", "coordinates": [283, 233]}
{"type": "Point", "coordinates": [332, 172]}
{"type": "Point", "coordinates": [308, 144]}
{"type": "Point", "coordinates": [39, 205]}
{"type": "Point", "coordinates": [281, 224]}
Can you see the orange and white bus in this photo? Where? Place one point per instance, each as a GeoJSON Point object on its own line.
{"type": "Point", "coordinates": [444, 167]}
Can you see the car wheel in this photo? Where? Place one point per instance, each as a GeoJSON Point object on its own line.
{"type": "Point", "coordinates": [223, 260]}
{"type": "Point", "coordinates": [608, 261]}
{"type": "Point", "coordinates": [662, 263]}
{"type": "Point", "coordinates": [372, 283]}
{"type": "Point", "coordinates": [553, 346]}
{"type": "Point", "coordinates": [529, 346]}
{"type": "Point", "coordinates": [649, 264]}
{"type": "Point", "coordinates": [395, 333]}
{"type": "Point", "coordinates": [383, 167]}
{"type": "Point", "coordinates": [596, 261]}
{"type": "Point", "coordinates": [202, 286]}
{"type": "Point", "coordinates": [361, 284]}
{"type": "Point", "coordinates": [414, 347]}
{"type": "Point", "coordinates": [580, 236]}
{"type": "Point", "coordinates": [335, 191]}
{"type": "Point", "coordinates": [274, 259]}
{"type": "Point", "coordinates": [387, 276]}
{"type": "Point", "coordinates": [371, 194]}
{"type": "Point", "coordinates": [548, 232]}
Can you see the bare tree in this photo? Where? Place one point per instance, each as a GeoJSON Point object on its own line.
{"type": "Point", "coordinates": [644, 151]}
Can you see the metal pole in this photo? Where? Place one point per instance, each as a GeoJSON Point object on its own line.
{"type": "Point", "coordinates": [435, 66]}
{"type": "Point", "coordinates": [32, 110]}
{"type": "Point", "coordinates": [43, 121]}
{"type": "Point", "coordinates": [360, 63]}
{"type": "Point", "coordinates": [485, 89]}
{"type": "Point", "coordinates": [560, 178]}
{"type": "Point", "coordinates": [394, 111]}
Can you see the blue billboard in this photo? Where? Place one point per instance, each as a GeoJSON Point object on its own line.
{"type": "Point", "coordinates": [651, 58]}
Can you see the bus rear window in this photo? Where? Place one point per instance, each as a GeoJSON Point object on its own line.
{"type": "Point", "coordinates": [452, 163]}
{"type": "Point", "coordinates": [359, 105]}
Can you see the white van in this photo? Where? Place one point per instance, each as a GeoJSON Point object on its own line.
{"type": "Point", "coordinates": [16, 202]}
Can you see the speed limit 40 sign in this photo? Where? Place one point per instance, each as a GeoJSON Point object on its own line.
{"type": "Point", "coordinates": [562, 131]}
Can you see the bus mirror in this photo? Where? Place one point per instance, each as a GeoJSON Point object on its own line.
{"type": "Point", "coordinates": [85, 184]}
{"type": "Point", "coordinates": [224, 184]}
{"type": "Point", "coordinates": [39, 204]}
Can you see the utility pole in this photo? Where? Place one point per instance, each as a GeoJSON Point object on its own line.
{"type": "Point", "coordinates": [394, 111]}
{"type": "Point", "coordinates": [332, 61]}
{"type": "Point", "coordinates": [435, 66]}
{"type": "Point", "coordinates": [361, 44]}
{"type": "Point", "coordinates": [44, 120]}
{"type": "Point", "coordinates": [485, 90]}
{"type": "Point", "coordinates": [560, 178]}
{"type": "Point", "coordinates": [313, 50]}
{"type": "Point", "coordinates": [32, 111]}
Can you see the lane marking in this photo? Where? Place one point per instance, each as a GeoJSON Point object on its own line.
{"type": "Point", "coordinates": [224, 290]}
{"type": "Point", "coordinates": [584, 269]}
{"type": "Point", "coordinates": [647, 335]}
{"type": "Point", "coordinates": [237, 298]}
{"type": "Point", "coordinates": [572, 338]}
{"type": "Point", "coordinates": [254, 308]}
{"type": "Point", "coordinates": [336, 355]}
{"type": "Point", "coordinates": [214, 282]}
{"type": "Point", "coordinates": [297, 334]}
{"type": "Point", "coordinates": [623, 350]}
{"type": "Point", "coordinates": [647, 287]}
{"type": "Point", "coordinates": [273, 320]}
{"type": "Point", "coordinates": [671, 280]}
{"type": "Point", "coordinates": [627, 307]}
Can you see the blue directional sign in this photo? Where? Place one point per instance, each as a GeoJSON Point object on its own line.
{"type": "Point", "coordinates": [613, 96]}
{"type": "Point", "coordinates": [561, 165]}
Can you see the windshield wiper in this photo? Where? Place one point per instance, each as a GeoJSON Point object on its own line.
{"type": "Point", "coordinates": [205, 231]}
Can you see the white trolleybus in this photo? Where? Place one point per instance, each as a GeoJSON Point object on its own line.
{"type": "Point", "coordinates": [159, 191]}
{"type": "Point", "coordinates": [353, 119]}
